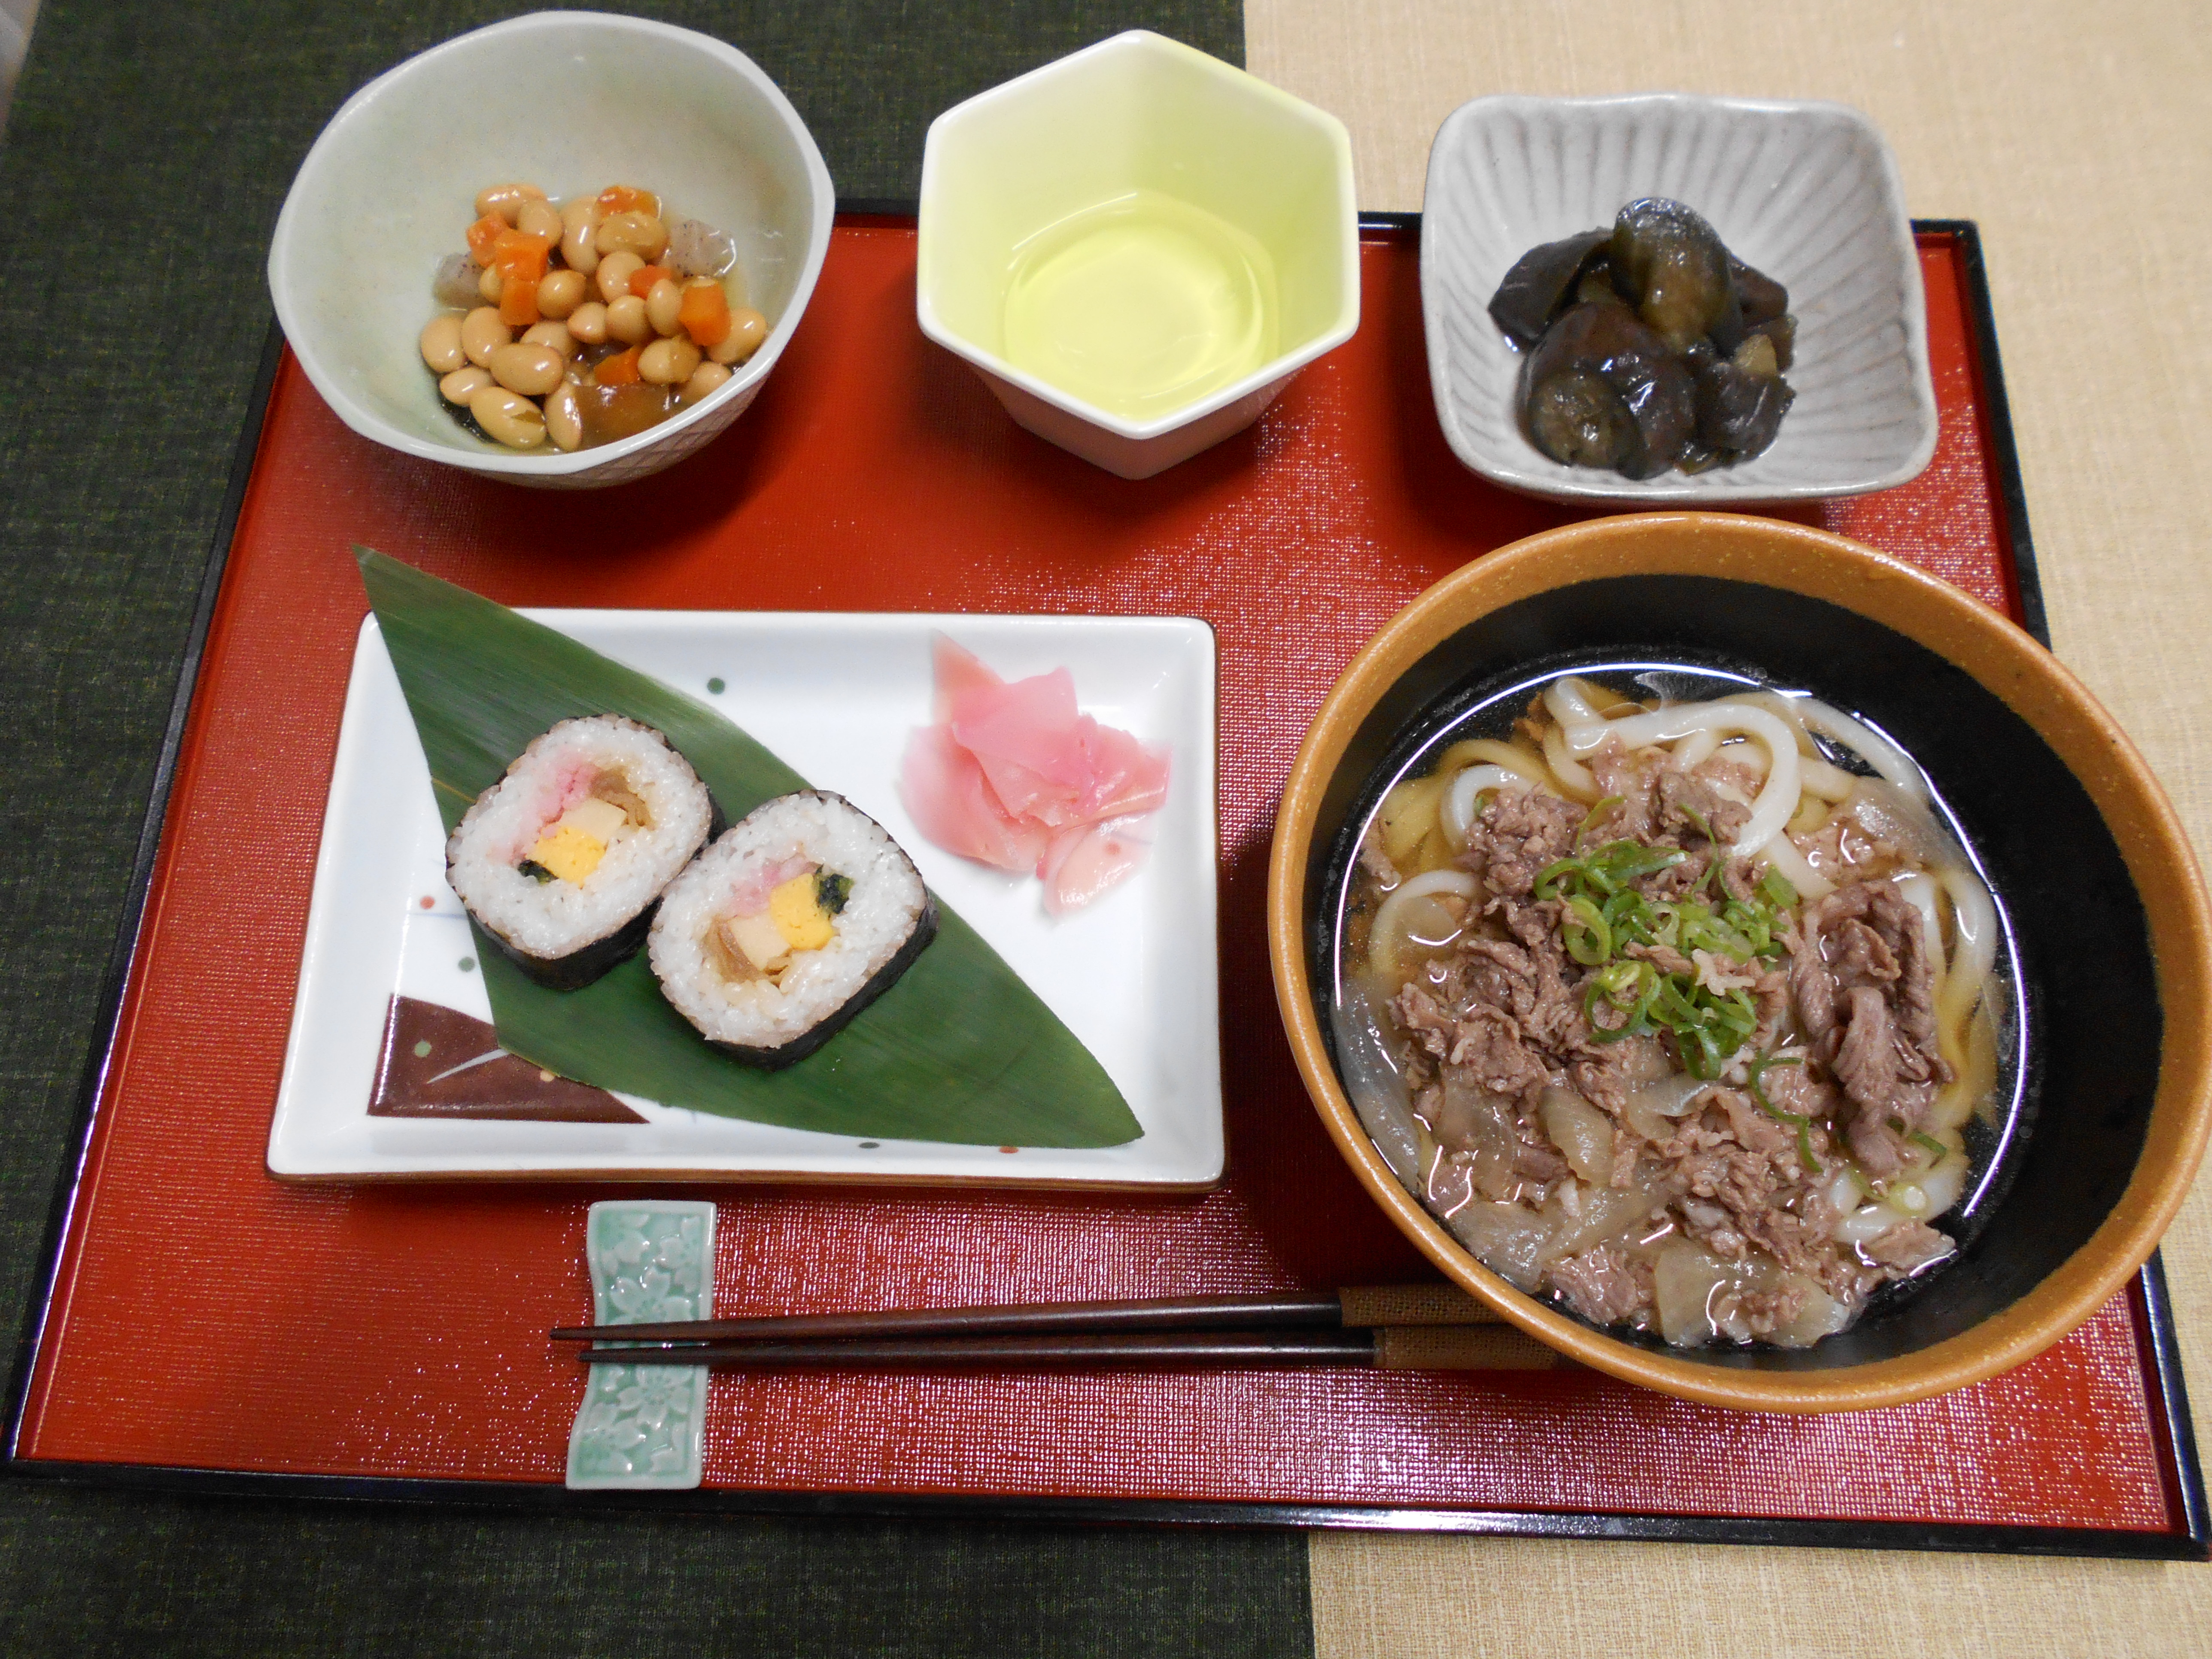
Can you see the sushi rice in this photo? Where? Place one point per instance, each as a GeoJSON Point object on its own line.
{"type": "Point", "coordinates": [565, 933]}
{"type": "Point", "coordinates": [874, 920]}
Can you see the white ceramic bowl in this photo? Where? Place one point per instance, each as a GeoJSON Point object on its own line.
{"type": "Point", "coordinates": [1138, 112]}
{"type": "Point", "coordinates": [1807, 192]}
{"type": "Point", "coordinates": [570, 101]}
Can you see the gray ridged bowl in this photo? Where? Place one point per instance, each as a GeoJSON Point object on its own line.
{"type": "Point", "coordinates": [1807, 192]}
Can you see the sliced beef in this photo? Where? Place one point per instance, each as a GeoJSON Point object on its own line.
{"type": "Point", "coordinates": [1602, 1286]}
{"type": "Point", "coordinates": [1523, 831]}
{"type": "Point", "coordinates": [1813, 989]}
{"type": "Point", "coordinates": [1858, 957]}
{"type": "Point", "coordinates": [1688, 806]}
{"type": "Point", "coordinates": [1879, 1147]}
{"type": "Point", "coordinates": [1865, 1060]}
{"type": "Point", "coordinates": [1870, 934]}
{"type": "Point", "coordinates": [1770, 996]}
{"type": "Point", "coordinates": [1736, 1170]}
{"type": "Point", "coordinates": [1606, 1074]}
{"type": "Point", "coordinates": [1801, 1092]}
{"type": "Point", "coordinates": [1482, 1039]}
{"type": "Point", "coordinates": [1676, 881]}
{"type": "Point", "coordinates": [1864, 985]}
{"type": "Point", "coordinates": [1908, 1247]}
{"type": "Point", "coordinates": [1754, 1129]}
{"type": "Point", "coordinates": [1761, 1312]}
{"type": "Point", "coordinates": [1635, 781]}
{"type": "Point", "coordinates": [1375, 860]}
{"type": "Point", "coordinates": [1499, 974]}
{"type": "Point", "coordinates": [1540, 1161]}
{"type": "Point", "coordinates": [1553, 1017]}
{"type": "Point", "coordinates": [1665, 957]}
{"type": "Point", "coordinates": [1740, 878]}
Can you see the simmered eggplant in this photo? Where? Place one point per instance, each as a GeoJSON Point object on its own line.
{"type": "Point", "coordinates": [1595, 286]}
{"type": "Point", "coordinates": [1654, 388]}
{"type": "Point", "coordinates": [1529, 295]}
{"type": "Point", "coordinates": [1741, 401]}
{"type": "Point", "coordinates": [1762, 298]}
{"type": "Point", "coordinates": [1649, 345]}
{"type": "Point", "coordinates": [1579, 420]}
{"type": "Point", "coordinates": [1781, 332]}
{"type": "Point", "coordinates": [1674, 264]}
{"type": "Point", "coordinates": [1740, 412]}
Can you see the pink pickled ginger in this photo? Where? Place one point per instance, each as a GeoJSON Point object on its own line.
{"type": "Point", "coordinates": [1014, 776]}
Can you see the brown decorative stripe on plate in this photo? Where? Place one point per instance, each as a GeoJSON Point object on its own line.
{"type": "Point", "coordinates": [439, 1062]}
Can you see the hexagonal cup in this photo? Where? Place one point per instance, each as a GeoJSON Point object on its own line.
{"type": "Point", "coordinates": [1139, 123]}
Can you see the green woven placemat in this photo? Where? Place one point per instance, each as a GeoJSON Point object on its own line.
{"type": "Point", "coordinates": [148, 149]}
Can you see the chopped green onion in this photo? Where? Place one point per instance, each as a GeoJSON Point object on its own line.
{"type": "Point", "coordinates": [1933, 1145]}
{"type": "Point", "coordinates": [1600, 811]}
{"type": "Point", "coordinates": [1698, 823]}
{"type": "Point", "coordinates": [1628, 988]}
{"type": "Point", "coordinates": [1629, 917]}
{"type": "Point", "coordinates": [1584, 931]}
{"type": "Point", "coordinates": [1613, 866]}
{"type": "Point", "coordinates": [1777, 889]}
{"type": "Point", "coordinates": [1549, 877]}
{"type": "Point", "coordinates": [1603, 914]}
{"type": "Point", "coordinates": [1804, 1125]}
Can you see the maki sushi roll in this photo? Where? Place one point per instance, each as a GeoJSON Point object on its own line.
{"type": "Point", "coordinates": [560, 862]}
{"type": "Point", "coordinates": [789, 925]}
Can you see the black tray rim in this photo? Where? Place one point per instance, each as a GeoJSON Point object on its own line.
{"type": "Point", "coordinates": [2175, 1434]}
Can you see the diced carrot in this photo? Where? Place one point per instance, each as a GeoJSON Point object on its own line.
{"type": "Point", "coordinates": [628, 198]}
{"type": "Point", "coordinates": [643, 279]}
{"type": "Point", "coordinates": [520, 258]}
{"type": "Point", "coordinates": [522, 248]}
{"type": "Point", "coordinates": [705, 314]}
{"type": "Point", "coordinates": [618, 370]}
{"type": "Point", "coordinates": [482, 233]}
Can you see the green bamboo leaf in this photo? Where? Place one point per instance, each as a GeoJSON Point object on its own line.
{"type": "Point", "coordinates": [958, 1050]}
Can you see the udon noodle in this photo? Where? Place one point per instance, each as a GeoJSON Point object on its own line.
{"type": "Point", "coordinates": [1672, 1014]}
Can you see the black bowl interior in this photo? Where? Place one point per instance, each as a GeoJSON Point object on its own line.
{"type": "Point", "coordinates": [2086, 1061]}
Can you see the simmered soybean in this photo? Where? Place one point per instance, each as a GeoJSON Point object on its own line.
{"type": "Point", "coordinates": [508, 416]}
{"type": "Point", "coordinates": [592, 319]}
{"type": "Point", "coordinates": [441, 344]}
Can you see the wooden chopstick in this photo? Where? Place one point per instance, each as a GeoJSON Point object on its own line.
{"type": "Point", "coordinates": [1358, 1308]}
{"type": "Point", "coordinates": [1479, 1347]}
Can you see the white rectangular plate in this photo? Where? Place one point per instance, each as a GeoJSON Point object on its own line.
{"type": "Point", "coordinates": [834, 697]}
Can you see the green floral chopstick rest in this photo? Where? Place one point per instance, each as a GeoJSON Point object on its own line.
{"type": "Point", "coordinates": [643, 1427]}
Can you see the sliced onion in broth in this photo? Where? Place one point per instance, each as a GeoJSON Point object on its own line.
{"type": "Point", "coordinates": [1583, 1133]}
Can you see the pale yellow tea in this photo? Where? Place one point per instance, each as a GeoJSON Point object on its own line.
{"type": "Point", "coordinates": [1141, 306]}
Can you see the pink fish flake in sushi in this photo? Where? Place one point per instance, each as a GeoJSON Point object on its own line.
{"type": "Point", "coordinates": [1015, 775]}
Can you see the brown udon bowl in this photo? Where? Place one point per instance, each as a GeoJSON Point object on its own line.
{"type": "Point", "coordinates": [2107, 914]}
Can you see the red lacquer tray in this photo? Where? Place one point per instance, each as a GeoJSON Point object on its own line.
{"type": "Point", "coordinates": [205, 1323]}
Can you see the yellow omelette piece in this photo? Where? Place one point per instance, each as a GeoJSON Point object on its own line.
{"type": "Point", "coordinates": [799, 915]}
{"type": "Point", "coordinates": [568, 853]}
{"type": "Point", "coordinates": [572, 847]}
